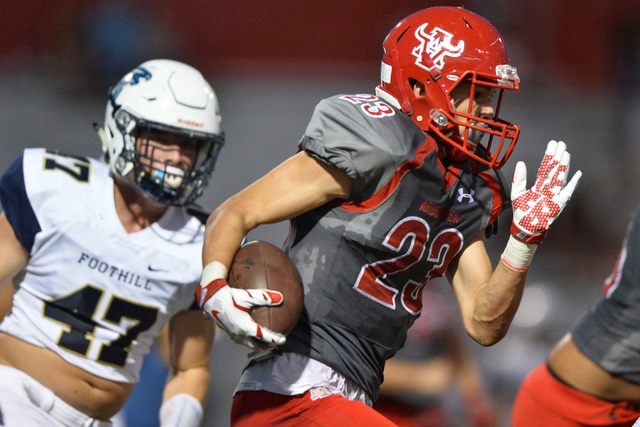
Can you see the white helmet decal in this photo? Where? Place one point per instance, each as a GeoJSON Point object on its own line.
{"type": "Point", "coordinates": [133, 78]}
{"type": "Point", "coordinates": [437, 45]}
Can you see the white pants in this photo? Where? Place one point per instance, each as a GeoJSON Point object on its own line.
{"type": "Point", "coordinates": [24, 402]}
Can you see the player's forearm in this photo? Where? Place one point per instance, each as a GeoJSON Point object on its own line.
{"type": "Point", "coordinates": [193, 381]}
{"type": "Point", "coordinates": [223, 235]}
{"type": "Point", "coordinates": [496, 304]}
{"type": "Point", "coordinates": [184, 398]}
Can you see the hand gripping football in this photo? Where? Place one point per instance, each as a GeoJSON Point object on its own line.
{"type": "Point", "coordinates": [261, 265]}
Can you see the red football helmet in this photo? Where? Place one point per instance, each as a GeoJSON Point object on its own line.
{"type": "Point", "coordinates": [441, 47]}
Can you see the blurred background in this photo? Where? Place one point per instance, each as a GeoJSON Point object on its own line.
{"type": "Point", "coordinates": [270, 62]}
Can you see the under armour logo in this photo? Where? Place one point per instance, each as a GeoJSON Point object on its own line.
{"type": "Point", "coordinates": [463, 195]}
{"type": "Point", "coordinates": [437, 45]}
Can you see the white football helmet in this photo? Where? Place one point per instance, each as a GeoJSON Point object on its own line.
{"type": "Point", "coordinates": [162, 96]}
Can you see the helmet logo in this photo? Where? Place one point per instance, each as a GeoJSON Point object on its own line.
{"type": "Point", "coordinates": [132, 78]}
{"type": "Point", "coordinates": [435, 45]}
{"type": "Point", "coordinates": [188, 122]}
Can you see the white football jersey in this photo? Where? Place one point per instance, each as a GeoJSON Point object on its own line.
{"type": "Point", "coordinates": [93, 293]}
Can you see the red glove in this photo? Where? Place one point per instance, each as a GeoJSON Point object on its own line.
{"type": "Point", "coordinates": [230, 308]}
{"type": "Point", "coordinates": [534, 210]}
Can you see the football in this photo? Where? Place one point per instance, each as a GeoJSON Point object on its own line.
{"type": "Point", "coordinates": [261, 265]}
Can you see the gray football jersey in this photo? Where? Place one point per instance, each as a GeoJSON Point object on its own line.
{"type": "Point", "coordinates": [609, 334]}
{"type": "Point", "coordinates": [364, 260]}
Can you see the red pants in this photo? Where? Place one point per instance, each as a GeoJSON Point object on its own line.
{"type": "Point", "coordinates": [262, 408]}
{"type": "Point", "coordinates": [543, 401]}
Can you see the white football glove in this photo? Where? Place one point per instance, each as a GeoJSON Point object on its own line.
{"type": "Point", "coordinates": [230, 308]}
{"type": "Point", "coordinates": [534, 210]}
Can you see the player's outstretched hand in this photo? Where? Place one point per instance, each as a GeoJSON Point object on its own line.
{"type": "Point", "coordinates": [535, 209]}
{"type": "Point", "coordinates": [230, 308]}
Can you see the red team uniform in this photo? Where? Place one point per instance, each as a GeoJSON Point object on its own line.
{"type": "Point", "coordinates": [416, 215]}
{"type": "Point", "coordinates": [608, 336]}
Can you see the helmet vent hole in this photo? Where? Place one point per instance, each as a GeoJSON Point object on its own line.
{"type": "Point", "coordinates": [467, 22]}
{"type": "Point", "coordinates": [402, 35]}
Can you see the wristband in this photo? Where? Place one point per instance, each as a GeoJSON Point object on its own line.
{"type": "Point", "coordinates": [182, 410]}
{"type": "Point", "coordinates": [213, 271]}
{"type": "Point", "coordinates": [518, 254]}
{"type": "Point", "coordinates": [526, 237]}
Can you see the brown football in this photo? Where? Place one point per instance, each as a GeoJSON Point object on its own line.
{"type": "Point", "coordinates": [261, 265]}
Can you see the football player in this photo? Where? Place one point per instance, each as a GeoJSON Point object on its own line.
{"type": "Point", "coordinates": [386, 192]}
{"type": "Point", "coordinates": [102, 256]}
{"type": "Point", "coordinates": [592, 375]}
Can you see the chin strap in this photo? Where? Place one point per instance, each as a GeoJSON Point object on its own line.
{"type": "Point", "coordinates": [406, 105]}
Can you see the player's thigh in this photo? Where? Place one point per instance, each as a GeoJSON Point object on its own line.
{"type": "Point", "coordinates": [252, 408]}
{"type": "Point", "coordinates": [20, 414]}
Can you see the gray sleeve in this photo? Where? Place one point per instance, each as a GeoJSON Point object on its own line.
{"type": "Point", "coordinates": [340, 135]}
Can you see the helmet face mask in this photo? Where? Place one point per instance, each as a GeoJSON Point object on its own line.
{"type": "Point", "coordinates": [441, 48]}
{"type": "Point", "coordinates": [163, 100]}
{"type": "Point", "coordinates": [169, 183]}
{"type": "Point", "coordinates": [466, 131]}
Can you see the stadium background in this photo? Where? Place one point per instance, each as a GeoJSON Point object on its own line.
{"type": "Point", "coordinates": [271, 61]}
